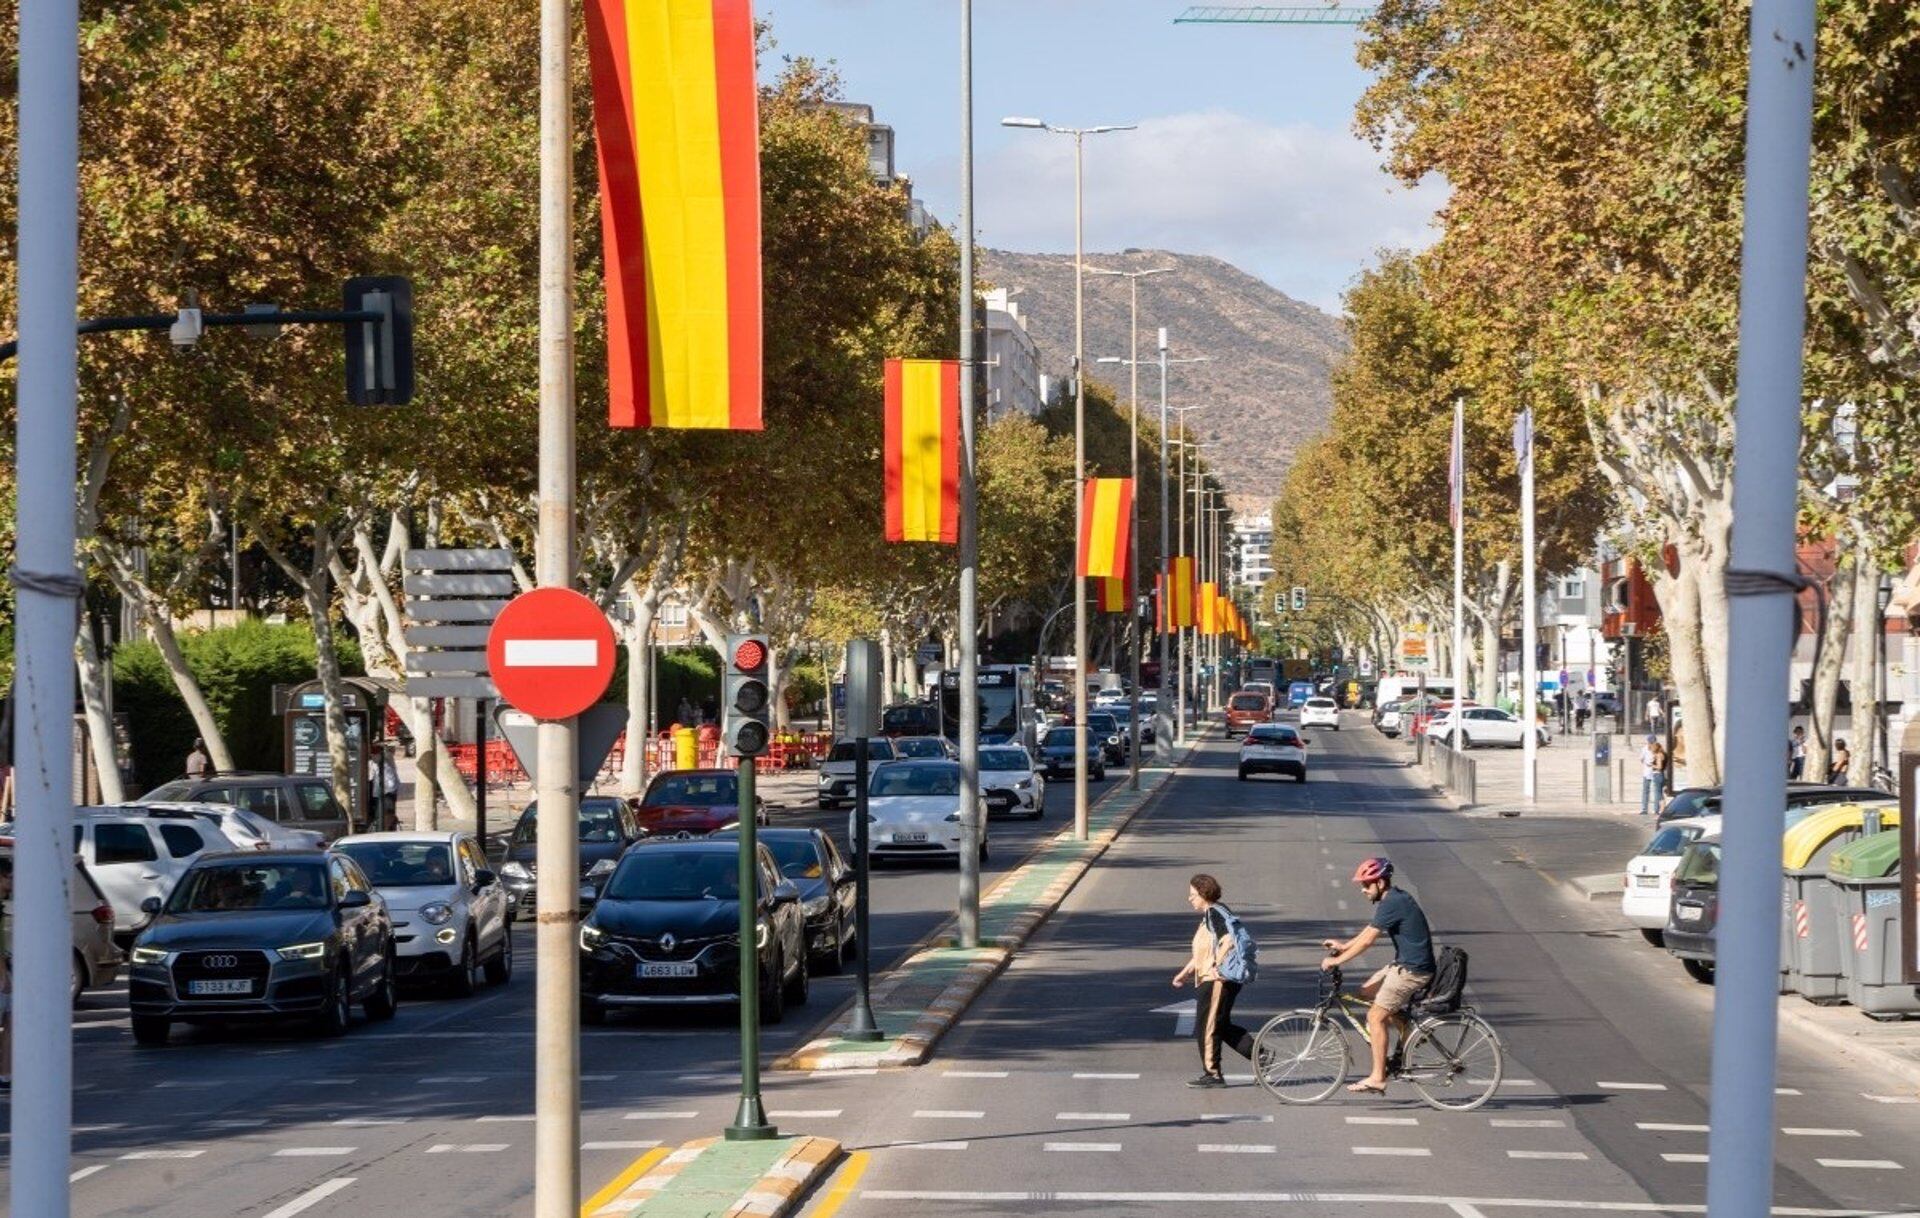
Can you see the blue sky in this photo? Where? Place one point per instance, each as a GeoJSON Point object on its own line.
{"type": "Point", "coordinates": [1245, 149]}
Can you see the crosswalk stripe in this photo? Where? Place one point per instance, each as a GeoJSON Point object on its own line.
{"type": "Point", "coordinates": [1408, 1152]}
{"type": "Point", "coordinates": [1100, 1147]}
{"type": "Point", "coordinates": [1571, 1156]}
{"type": "Point", "coordinates": [1664, 1127]}
{"type": "Point", "coordinates": [1805, 1132]}
{"type": "Point", "coordinates": [1879, 1164]}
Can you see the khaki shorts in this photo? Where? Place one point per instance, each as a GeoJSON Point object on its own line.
{"type": "Point", "coordinates": [1398, 986]}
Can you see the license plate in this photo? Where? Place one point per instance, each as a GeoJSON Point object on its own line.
{"type": "Point", "coordinates": [689, 969]}
{"type": "Point", "coordinates": [999, 800]}
{"type": "Point", "coordinates": [1688, 913]}
{"type": "Point", "coordinates": [220, 987]}
{"type": "Point", "coordinates": [1647, 881]}
{"type": "Point", "coordinates": [909, 837]}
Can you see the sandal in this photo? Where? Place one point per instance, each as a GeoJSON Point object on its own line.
{"type": "Point", "coordinates": [1362, 1087]}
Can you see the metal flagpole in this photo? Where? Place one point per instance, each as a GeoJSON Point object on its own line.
{"type": "Point", "coordinates": [556, 1181]}
{"type": "Point", "coordinates": [1458, 478]}
{"type": "Point", "coordinates": [1133, 539]}
{"type": "Point", "coordinates": [46, 587]}
{"type": "Point", "coordinates": [969, 897]}
{"type": "Point", "coordinates": [1762, 582]}
{"type": "Point", "coordinates": [1079, 491]}
{"type": "Point", "coordinates": [1180, 643]}
{"type": "Point", "coordinates": [1529, 626]}
{"type": "Point", "coordinates": [1165, 620]}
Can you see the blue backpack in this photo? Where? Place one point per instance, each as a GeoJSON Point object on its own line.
{"type": "Point", "coordinates": [1242, 962]}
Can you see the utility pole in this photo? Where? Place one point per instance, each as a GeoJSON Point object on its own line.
{"type": "Point", "coordinates": [556, 1180]}
{"type": "Point", "coordinates": [969, 897]}
{"type": "Point", "coordinates": [1529, 626]}
{"type": "Point", "coordinates": [1165, 618]}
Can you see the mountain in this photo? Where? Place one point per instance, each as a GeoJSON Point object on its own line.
{"type": "Point", "coordinates": [1270, 357]}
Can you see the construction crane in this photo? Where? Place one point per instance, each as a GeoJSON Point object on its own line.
{"type": "Point", "coordinates": [1297, 14]}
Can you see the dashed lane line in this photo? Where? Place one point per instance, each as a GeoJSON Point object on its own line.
{"type": "Point", "coordinates": [84, 1172]}
{"type": "Point", "coordinates": [312, 1197]}
{"type": "Point", "coordinates": [1121, 1076]}
{"type": "Point", "coordinates": [1684, 1158]}
{"type": "Point", "coordinates": [1235, 1148]}
{"type": "Point", "coordinates": [358, 1122]}
{"type": "Point", "coordinates": [1234, 1118]}
{"type": "Point", "coordinates": [1005, 1201]}
{"type": "Point", "coordinates": [1527, 1123]}
{"type": "Point", "coordinates": [1378, 1120]}
{"type": "Point", "coordinates": [1093, 1116]}
{"type": "Point", "coordinates": [1869, 1164]}
{"type": "Point", "coordinates": [470, 1148]}
{"type": "Point", "coordinates": [1665, 1127]}
{"type": "Point", "coordinates": [1890, 1099]}
{"type": "Point", "coordinates": [1403, 1152]}
{"type": "Point", "coordinates": [1569, 1156]}
{"type": "Point", "coordinates": [1082, 1147]}
{"type": "Point", "coordinates": [314, 1152]}
{"type": "Point", "coordinates": [1606, 1086]}
{"type": "Point", "coordinates": [1801, 1131]}
{"type": "Point", "coordinates": [162, 1154]}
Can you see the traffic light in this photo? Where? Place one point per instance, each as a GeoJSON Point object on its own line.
{"type": "Point", "coordinates": [380, 352]}
{"type": "Point", "coordinates": [749, 704]}
{"type": "Point", "coordinates": [1299, 599]}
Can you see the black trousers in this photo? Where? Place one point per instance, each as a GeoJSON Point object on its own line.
{"type": "Point", "coordinates": [1213, 1024]}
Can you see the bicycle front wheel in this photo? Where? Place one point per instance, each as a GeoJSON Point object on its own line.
{"type": "Point", "coordinates": [1300, 1057]}
{"type": "Point", "coordinates": [1454, 1061]}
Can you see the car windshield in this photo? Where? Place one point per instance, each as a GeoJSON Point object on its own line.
{"type": "Point", "coordinates": [1320, 703]}
{"type": "Point", "coordinates": [172, 792]}
{"type": "Point", "coordinates": [1670, 842]}
{"type": "Point", "coordinates": [877, 750]}
{"type": "Point", "coordinates": [1273, 735]}
{"type": "Point", "coordinates": [1102, 723]}
{"type": "Point", "coordinates": [905, 718]}
{"type": "Point", "coordinates": [652, 874]}
{"type": "Point", "coordinates": [1246, 702]}
{"type": "Point", "coordinates": [916, 780]}
{"type": "Point", "coordinates": [693, 790]}
{"type": "Point", "coordinates": [1700, 866]}
{"type": "Point", "coordinates": [1059, 738]}
{"type": "Point", "coordinates": [599, 822]}
{"type": "Point", "coordinates": [233, 887]}
{"type": "Point", "coordinates": [798, 857]}
{"type": "Point", "coordinates": [922, 746]}
{"type": "Point", "coordinates": [1007, 759]}
{"type": "Point", "coordinates": [402, 864]}
{"type": "Point", "coordinates": [1122, 713]}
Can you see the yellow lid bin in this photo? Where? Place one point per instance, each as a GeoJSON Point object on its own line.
{"type": "Point", "coordinates": [1812, 962]}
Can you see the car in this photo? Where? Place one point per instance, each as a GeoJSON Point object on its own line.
{"type": "Point", "coordinates": [1320, 712]}
{"type": "Point", "coordinates": [246, 830]}
{"type": "Point", "coordinates": [608, 826]}
{"type": "Point", "coordinates": [1123, 716]}
{"type": "Point", "coordinates": [1056, 754]}
{"type": "Point", "coordinates": [1298, 693]}
{"type": "Point", "coordinates": [1689, 933]}
{"type": "Point", "coordinates": [1258, 687]}
{"type": "Point", "coordinates": [1483, 726]}
{"type": "Point", "coordinates": [693, 803]}
{"type": "Point", "coordinates": [450, 911]}
{"type": "Point", "coordinates": [1802, 799]}
{"type": "Point", "coordinates": [1053, 696]}
{"type": "Point", "coordinates": [264, 935]}
{"type": "Point", "coordinates": [808, 859]}
{"type": "Point", "coordinates": [923, 748]}
{"type": "Point", "coordinates": [1244, 710]}
{"type": "Point", "coordinates": [297, 801]}
{"type": "Point", "coordinates": [1011, 782]}
{"type": "Point", "coordinates": [96, 959]}
{"type": "Point", "coordinates": [910, 719]}
{"type": "Point", "coordinates": [1646, 893]}
{"type": "Point", "coordinates": [1606, 702]}
{"type": "Point", "coordinates": [836, 772]}
{"type": "Point", "coordinates": [666, 932]}
{"type": "Point", "coordinates": [1105, 727]}
{"type": "Point", "coordinates": [1273, 748]}
{"type": "Point", "coordinates": [913, 812]}
{"type": "Point", "coordinates": [134, 857]}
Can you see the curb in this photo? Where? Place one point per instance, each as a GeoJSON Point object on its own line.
{"type": "Point", "coordinates": [1597, 887]}
{"type": "Point", "coordinates": [1855, 1044]}
{"type": "Point", "coordinates": [774, 1193]}
{"type": "Point", "coordinates": [976, 969]}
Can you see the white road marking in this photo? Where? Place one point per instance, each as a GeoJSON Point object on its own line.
{"type": "Point", "coordinates": [1519, 1082]}
{"type": "Point", "coordinates": [552, 653]}
{"type": "Point", "coordinates": [454, 1078]}
{"type": "Point", "coordinates": [163, 1154]}
{"type": "Point", "coordinates": [1371, 1120]}
{"type": "Point", "coordinates": [356, 1122]}
{"type": "Point", "coordinates": [501, 1120]}
{"type": "Point", "coordinates": [1679, 1158]}
{"type": "Point", "coordinates": [1465, 1210]}
{"type": "Point", "coordinates": [173, 1082]}
{"type": "Point", "coordinates": [1890, 1099]}
{"type": "Point", "coordinates": [238, 1123]}
{"type": "Point", "coordinates": [312, 1197]}
{"type": "Point", "coordinates": [947, 1114]}
{"type": "Point", "coordinates": [1096, 1074]}
{"type": "Point", "coordinates": [1527, 1123]}
{"type": "Point", "coordinates": [974, 1074]}
{"type": "Point", "coordinates": [1877, 1164]}
{"type": "Point", "coordinates": [805, 1114]}
{"type": "Point", "coordinates": [1237, 1118]}
{"type": "Point", "coordinates": [110, 1125]}
{"type": "Point", "coordinates": [860, 1072]}
{"type": "Point", "coordinates": [1664, 1127]}
{"type": "Point", "coordinates": [1632, 1086]}
{"type": "Point", "coordinates": [598, 1078]}
{"type": "Point", "coordinates": [928, 1145]}
{"type": "Point", "coordinates": [1097, 1147]}
{"type": "Point", "coordinates": [1406, 1152]}
{"type": "Point", "coordinates": [1093, 1116]}
{"type": "Point", "coordinates": [1786, 1091]}
{"type": "Point", "coordinates": [84, 1172]}
{"type": "Point", "coordinates": [1234, 1148]}
{"type": "Point", "coordinates": [314, 1152]}
{"type": "Point", "coordinates": [471, 1148]}
{"type": "Point", "coordinates": [1341, 903]}
{"type": "Point", "coordinates": [618, 1145]}
{"type": "Point", "coordinates": [1571, 1156]}
{"type": "Point", "coordinates": [1004, 1199]}
{"type": "Point", "coordinates": [1801, 1131]}
{"type": "Point", "coordinates": [683, 1114]}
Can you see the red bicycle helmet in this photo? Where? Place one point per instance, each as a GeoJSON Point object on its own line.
{"type": "Point", "coordinates": [1378, 867]}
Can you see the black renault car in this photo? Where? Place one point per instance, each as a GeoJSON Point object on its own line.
{"type": "Point", "coordinates": [809, 860]}
{"type": "Point", "coordinates": [608, 825]}
{"type": "Point", "coordinates": [666, 932]}
{"type": "Point", "coordinates": [1696, 909]}
{"type": "Point", "coordinates": [294, 934]}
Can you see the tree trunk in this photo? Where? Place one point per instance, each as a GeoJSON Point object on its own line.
{"type": "Point", "coordinates": [93, 699]}
{"type": "Point", "coordinates": [317, 595]}
{"type": "Point", "coordinates": [427, 756]}
{"type": "Point", "coordinates": [777, 688]}
{"type": "Point", "coordinates": [1865, 683]}
{"type": "Point", "coordinates": [1715, 620]}
{"type": "Point", "coordinates": [1679, 599]}
{"type": "Point", "coordinates": [160, 630]}
{"type": "Point", "coordinates": [1838, 627]}
{"type": "Point", "coordinates": [635, 637]}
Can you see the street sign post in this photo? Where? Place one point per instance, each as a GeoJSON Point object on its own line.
{"type": "Point", "coordinates": [600, 728]}
{"type": "Point", "coordinates": [550, 653]}
{"type": "Point", "coordinates": [862, 693]}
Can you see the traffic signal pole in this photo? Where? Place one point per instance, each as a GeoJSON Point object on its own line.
{"type": "Point", "coordinates": [750, 1116]}
{"type": "Point", "coordinates": [968, 912]}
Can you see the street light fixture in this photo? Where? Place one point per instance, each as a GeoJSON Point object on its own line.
{"type": "Point", "coordinates": [1079, 135]}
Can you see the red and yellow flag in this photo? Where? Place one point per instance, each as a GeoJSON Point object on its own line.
{"type": "Point", "coordinates": [676, 117]}
{"type": "Point", "coordinates": [922, 450]}
{"type": "Point", "coordinates": [1106, 527]}
{"type": "Point", "coordinates": [1114, 593]}
{"type": "Point", "coordinates": [1209, 608]}
{"type": "Point", "coordinates": [1180, 592]}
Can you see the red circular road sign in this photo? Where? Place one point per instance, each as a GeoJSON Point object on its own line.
{"type": "Point", "coordinates": [550, 653]}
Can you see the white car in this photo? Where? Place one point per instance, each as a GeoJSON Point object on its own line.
{"type": "Point", "coordinates": [245, 829]}
{"type": "Point", "coordinates": [1320, 711]}
{"type": "Point", "coordinates": [134, 855]}
{"type": "Point", "coordinates": [1273, 748]}
{"type": "Point", "coordinates": [913, 812]}
{"type": "Point", "coordinates": [1485, 725]}
{"type": "Point", "coordinates": [449, 909]}
{"type": "Point", "coordinates": [1011, 783]}
{"type": "Point", "coordinates": [1647, 888]}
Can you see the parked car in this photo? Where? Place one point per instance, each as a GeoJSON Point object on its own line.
{"type": "Point", "coordinates": [1011, 783]}
{"type": "Point", "coordinates": [96, 960]}
{"type": "Point", "coordinates": [693, 803]}
{"type": "Point", "coordinates": [910, 719]}
{"type": "Point", "coordinates": [1244, 710]}
{"type": "Point", "coordinates": [1689, 933]}
{"type": "Point", "coordinates": [134, 857]}
{"type": "Point", "coordinates": [913, 812]}
{"type": "Point", "coordinates": [264, 935]}
{"type": "Point", "coordinates": [1319, 711]}
{"type": "Point", "coordinates": [1802, 799]}
{"type": "Point", "coordinates": [808, 859]}
{"type": "Point", "coordinates": [666, 932]}
{"type": "Point", "coordinates": [1646, 894]}
{"type": "Point", "coordinates": [450, 912]}
{"type": "Point", "coordinates": [836, 772]}
{"type": "Point", "coordinates": [1056, 754]}
{"type": "Point", "coordinates": [1273, 748]}
{"type": "Point", "coordinates": [246, 830]}
{"type": "Point", "coordinates": [607, 827]}
{"type": "Point", "coordinates": [1483, 726]}
{"type": "Point", "coordinates": [297, 801]}
{"type": "Point", "coordinates": [924, 748]}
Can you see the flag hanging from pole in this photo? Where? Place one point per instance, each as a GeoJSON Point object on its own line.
{"type": "Point", "coordinates": [1113, 593]}
{"type": "Point", "coordinates": [921, 456]}
{"type": "Point", "coordinates": [1209, 608]}
{"type": "Point", "coordinates": [676, 121]}
{"type": "Point", "coordinates": [1457, 469]}
{"type": "Point", "coordinates": [1180, 592]}
{"type": "Point", "coordinates": [1106, 527]}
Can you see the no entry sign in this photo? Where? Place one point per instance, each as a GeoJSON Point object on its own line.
{"type": "Point", "coordinates": [551, 653]}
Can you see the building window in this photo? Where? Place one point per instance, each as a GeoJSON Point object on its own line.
{"type": "Point", "coordinates": [1573, 589]}
{"type": "Point", "coordinates": [673, 614]}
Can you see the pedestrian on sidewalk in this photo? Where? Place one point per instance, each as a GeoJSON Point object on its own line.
{"type": "Point", "coordinates": [1213, 944]}
{"type": "Point", "coordinates": [1656, 715]}
{"type": "Point", "coordinates": [1796, 753]}
{"type": "Point", "coordinates": [1653, 773]}
{"type": "Point", "coordinates": [1842, 762]}
{"type": "Point", "coordinates": [199, 763]}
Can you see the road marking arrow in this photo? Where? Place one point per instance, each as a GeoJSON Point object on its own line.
{"type": "Point", "coordinates": [1183, 1013]}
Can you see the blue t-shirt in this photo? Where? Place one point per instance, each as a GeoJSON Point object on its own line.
{"type": "Point", "coordinates": [1400, 916]}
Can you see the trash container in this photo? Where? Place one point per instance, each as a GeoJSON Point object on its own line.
{"type": "Point", "coordinates": [1811, 961]}
{"type": "Point", "coordinates": [1866, 925]}
{"type": "Point", "coordinates": [686, 749]}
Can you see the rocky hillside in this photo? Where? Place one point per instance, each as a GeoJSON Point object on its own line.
{"type": "Point", "coordinates": [1270, 357]}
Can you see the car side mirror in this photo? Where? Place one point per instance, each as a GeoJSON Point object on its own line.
{"type": "Point", "coordinates": [484, 879]}
{"type": "Point", "coordinates": [785, 893]}
{"type": "Point", "coordinates": [355, 900]}
{"type": "Point", "coordinates": [150, 906]}
{"type": "Point", "coordinates": [1304, 740]}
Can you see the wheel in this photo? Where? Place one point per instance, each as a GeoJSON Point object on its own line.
{"type": "Point", "coordinates": [1243, 773]}
{"type": "Point", "coordinates": [1300, 777]}
{"type": "Point", "coordinates": [1454, 1061]}
{"type": "Point", "coordinates": [466, 976]}
{"type": "Point", "coordinates": [983, 852]}
{"type": "Point", "coordinates": [385, 1000]}
{"type": "Point", "coordinates": [77, 977]}
{"type": "Point", "coordinates": [1300, 1057]}
{"type": "Point", "coordinates": [796, 994]}
{"type": "Point", "coordinates": [338, 1013]}
{"type": "Point", "coordinates": [500, 968]}
{"type": "Point", "coordinates": [1100, 773]}
{"type": "Point", "coordinates": [827, 804]}
{"type": "Point", "coordinates": [592, 1013]}
{"type": "Point", "coordinates": [773, 998]}
{"type": "Point", "coordinates": [1699, 970]}
{"type": "Point", "coordinates": [1656, 937]}
{"type": "Point", "coordinates": [151, 1030]}
{"type": "Point", "coordinates": [831, 958]}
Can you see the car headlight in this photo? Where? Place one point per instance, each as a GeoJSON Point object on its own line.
{"type": "Point", "coordinates": [1113, 740]}
{"type": "Point", "coordinates": [303, 951]}
{"type": "Point", "coordinates": [760, 933]}
{"type": "Point", "coordinates": [591, 937]}
{"type": "Point", "coordinates": [516, 871]}
{"type": "Point", "coordinates": [439, 913]}
{"type": "Point", "coordinates": [815, 907]}
{"type": "Point", "coordinates": [826, 780]}
{"type": "Point", "coordinates": [953, 818]}
{"type": "Point", "coordinates": [149, 955]}
{"type": "Point", "coordinates": [1025, 784]}
{"type": "Point", "coordinates": [600, 870]}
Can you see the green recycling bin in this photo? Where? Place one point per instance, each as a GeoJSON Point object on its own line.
{"type": "Point", "coordinates": [1811, 961]}
{"type": "Point", "coordinates": [1866, 926]}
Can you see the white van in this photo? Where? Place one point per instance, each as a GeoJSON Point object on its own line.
{"type": "Point", "coordinates": [1399, 688]}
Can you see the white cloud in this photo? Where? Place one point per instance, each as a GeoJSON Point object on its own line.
{"type": "Point", "coordinates": [1303, 207]}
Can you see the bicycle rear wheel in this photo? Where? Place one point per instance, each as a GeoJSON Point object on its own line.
{"type": "Point", "coordinates": [1454, 1061]}
{"type": "Point", "coordinates": [1300, 1057]}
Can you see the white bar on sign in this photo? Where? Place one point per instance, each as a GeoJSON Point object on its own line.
{"type": "Point", "coordinates": [552, 653]}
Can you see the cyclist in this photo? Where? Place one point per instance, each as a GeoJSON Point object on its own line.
{"type": "Point", "coordinates": [1393, 988]}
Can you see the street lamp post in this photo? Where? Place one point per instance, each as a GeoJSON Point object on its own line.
{"type": "Point", "coordinates": [1079, 135]}
{"type": "Point", "coordinates": [968, 897]}
{"type": "Point", "coordinates": [1883, 597]}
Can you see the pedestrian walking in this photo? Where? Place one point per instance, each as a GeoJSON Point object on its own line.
{"type": "Point", "coordinates": [1218, 967]}
{"type": "Point", "coordinates": [199, 763]}
{"type": "Point", "coordinates": [1796, 753]}
{"type": "Point", "coordinates": [1842, 762]}
{"type": "Point", "coordinates": [1656, 715]}
{"type": "Point", "coordinates": [686, 712]}
{"type": "Point", "coordinates": [1653, 773]}
{"type": "Point", "coordinates": [389, 790]}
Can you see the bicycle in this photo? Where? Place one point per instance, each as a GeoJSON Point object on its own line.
{"type": "Point", "coordinates": [1452, 1058]}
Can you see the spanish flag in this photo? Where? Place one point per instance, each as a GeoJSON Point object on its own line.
{"type": "Point", "coordinates": [1106, 527]}
{"type": "Point", "coordinates": [1209, 608]}
{"type": "Point", "coordinates": [922, 451]}
{"type": "Point", "coordinates": [677, 122]}
{"type": "Point", "coordinates": [1180, 592]}
{"type": "Point", "coordinates": [1114, 593]}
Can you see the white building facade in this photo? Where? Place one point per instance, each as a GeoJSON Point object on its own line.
{"type": "Point", "coordinates": [1014, 383]}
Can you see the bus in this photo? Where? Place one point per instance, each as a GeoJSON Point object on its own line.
{"type": "Point", "coordinates": [1007, 712]}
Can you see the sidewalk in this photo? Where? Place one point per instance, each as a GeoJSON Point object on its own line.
{"type": "Point", "coordinates": [1564, 777]}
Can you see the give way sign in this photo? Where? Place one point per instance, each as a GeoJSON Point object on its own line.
{"type": "Point", "coordinates": [550, 653]}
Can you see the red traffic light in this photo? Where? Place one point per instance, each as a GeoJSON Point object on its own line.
{"type": "Point", "coordinates": [750, 655]}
